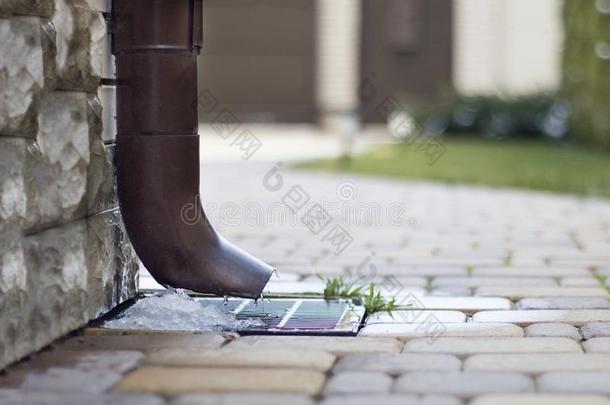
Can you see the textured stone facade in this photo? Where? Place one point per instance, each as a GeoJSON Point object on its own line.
{"type": "Point", "coordinates": [64, 254]}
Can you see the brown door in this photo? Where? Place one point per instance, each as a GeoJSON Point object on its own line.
{"type": "Point", "coordinates": [406, 51]}
{"type": "Point", "coordinates": [258, 59]}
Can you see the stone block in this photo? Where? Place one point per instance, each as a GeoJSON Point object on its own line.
{"type": "Point", "coordinates": [69, 171]}
{"type": "Point", "coordinates": [80, 41]}
{"type": "Point", "coordinates": [42, 8]}
{"type": "Point", "coordinates": [25, 69]}
{"type": "Point", "coordinates": [67, 276]}
{"type": "Point", "coordinates": [107, 97]}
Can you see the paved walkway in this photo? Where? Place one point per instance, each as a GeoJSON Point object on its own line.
{"type": "Point", "coordinates": [506, 292]}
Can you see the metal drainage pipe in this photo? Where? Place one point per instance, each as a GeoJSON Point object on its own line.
{"type": "Point", "coordinates": [156, 43]}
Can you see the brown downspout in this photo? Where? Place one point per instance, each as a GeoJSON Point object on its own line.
{"type": "Point", "coordinates": [156, 43]}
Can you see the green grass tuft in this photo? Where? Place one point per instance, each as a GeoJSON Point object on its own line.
{"type": "Point", "coordinates": [371, 297]}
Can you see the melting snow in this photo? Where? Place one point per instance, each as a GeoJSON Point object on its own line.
{"type": "Point", "coordinates": [174, 310]}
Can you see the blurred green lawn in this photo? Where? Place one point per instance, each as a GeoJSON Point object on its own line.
{"type": "Point", "coordinates": [530, 164]}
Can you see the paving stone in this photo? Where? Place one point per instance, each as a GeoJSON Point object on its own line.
{"type": "Point", "coordinates": [571, 316]}
{"type": "Point", "coordinates": [434, 329]}
{"type": "Point", "coordinates": [478, 281]}
{"type": "Point", "coordinates": [597, 345]}
{"type": "Point", "coordinates": [595, 329]}
{"type": "Point", "coordinates": [539, 399]}
{"type": "Point", "coordinates": [80, 41]}
{"type": "Point", "coordinates": [467, 305]}
{"type": "Point", "coordinates": [553, 330]}
{"type": "Point", "coordinates": [25, 45]}
{"type": "Point", "coordinates": [451, 292]}
{"type": "Point", "coordinates": [17, 397]}
{"type": "Point", "coordinates": [579, 282]}
{"type": "Point", "coordinates": [145, 343]}
{"type": "Point", "coordinates": [58, 183]}
{"type": "Point", "coordinates": [391, 363]}
{"type": "Point", "coordinates": [337, 345]}
{"type": "Point", "coordinates": [515, 293]}
{"type": "Point", "coordinates": [177, 380]}
{"type": "Point", "coordinates": [358, 382]}
{"type": "Point", "coordinates": [59, 379]}
{"type": "Point", "coordinates": [530, 272]}
{"type": "Point", "coordinates": [115, 361]}
{"type": "Point", "coordinates": [240, 399]}
{"type": "Point", "coordinates": [575, 383]}
{"type": "Point", "coordinates": [465, 384]}
{"type": "Point", "coordinates": [227, 357]}
{"type": "Point", "coordinates": [415, 315]}
{"type": "Point", "coordinates": [390, 400]}
{"type": "Point", "coordinates": [473, 345]}
{"type": "Point", "coordinates": [538, 363]}
{"type": "Point", "coordinates": [563, 303]}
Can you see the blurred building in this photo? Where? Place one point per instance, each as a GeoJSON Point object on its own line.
{"type": "Point", "coordinates": [319, 60]}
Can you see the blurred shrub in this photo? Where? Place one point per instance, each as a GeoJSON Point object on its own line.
{"type": "Point", "coordinates": [533, 116]}
{"type": "Point", "coordinates": [586, 69]}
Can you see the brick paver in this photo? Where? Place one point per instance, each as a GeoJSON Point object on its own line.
{"type": "Point", "coordinates": [553, 330]}
{"type": "Point", "coordinates": [539, 399]}
{"type": "Point", "coordinates": [538, 363]}
{"type": "Point", "coordinates": [226, 357]}
{"type": "Point", "coordinates": [358, 382]}
{"type": "Point", "coordinates": [391, 363]}
{"type": "Point", "coordinates": [177, 380]}
{"type": "Point", "coordinates": [474, 345]}
{"type": "Point", "coordinates": [463, 384]}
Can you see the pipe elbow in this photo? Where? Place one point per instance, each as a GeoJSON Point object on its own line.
{"type": "Point", "coordinates": [158, 182]}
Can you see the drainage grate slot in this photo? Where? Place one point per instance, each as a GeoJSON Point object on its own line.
{"type": "Point", "coordinates": [295, 316]}
{"type": "Point", "coordinates": [177, 312]}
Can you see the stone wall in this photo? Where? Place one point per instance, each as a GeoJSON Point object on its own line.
{"type": "Point", "coordinates": [64, 255]}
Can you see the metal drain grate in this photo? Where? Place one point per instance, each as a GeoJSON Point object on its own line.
{"type": "Point", "coordinates": [295, 316]}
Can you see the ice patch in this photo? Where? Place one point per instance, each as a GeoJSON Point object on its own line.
{"type": "Point", "coordinates": [174, 310]}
